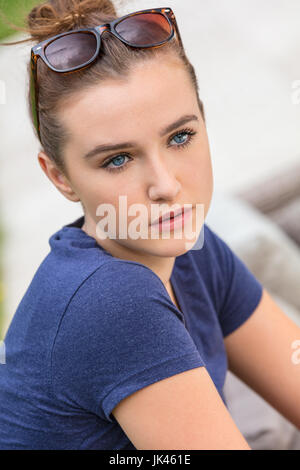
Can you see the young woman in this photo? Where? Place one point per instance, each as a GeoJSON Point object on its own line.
{"type": "Point", "coordinates": [124, 342]}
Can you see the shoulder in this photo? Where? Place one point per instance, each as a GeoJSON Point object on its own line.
{"type": "Point", "coordinates": [119, 280]}
{"type": "Point", "coordinates": [120, 332]}
{"type": "Point", "coordinates": [234, 289]}
{"type": "Point", "coordinates": [210, 261]}
{"type": "Point", "coordinates": [209, 246]}
{"type": "Point", "coordinates": [216, 246]}
{"type": "Point", "coordinates": [241, 290]}
{"type": "Point", "coordinates": [216, 254]}
{"type": "Point", "coordinates": [115, 296]}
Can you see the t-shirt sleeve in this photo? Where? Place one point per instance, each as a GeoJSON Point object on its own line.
{"type": "Point", "coordinates": [120, 333]}
{"type": "Point", "coordinates": [241, 290]}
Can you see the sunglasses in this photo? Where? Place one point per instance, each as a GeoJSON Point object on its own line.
{"type": "Point", "coordinates": [78, 49]}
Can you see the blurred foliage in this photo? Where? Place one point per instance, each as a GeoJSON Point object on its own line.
{"type": "Point", "coordinates": [2, 287]}
{"type": "Point", "coordinates": [16, 12]}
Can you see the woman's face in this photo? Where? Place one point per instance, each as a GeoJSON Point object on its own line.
{"type": "Point", "coordinates": [161, 165]}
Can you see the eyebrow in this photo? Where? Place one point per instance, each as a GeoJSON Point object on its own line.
{"type": "Point", "coordinates": [103, 148]}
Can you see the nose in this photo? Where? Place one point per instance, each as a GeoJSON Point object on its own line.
{"type": "Point", "coordinates": [161, 179]}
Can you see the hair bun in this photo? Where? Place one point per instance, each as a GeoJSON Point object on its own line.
{"type": "Point", "coordinates": [73, 16]}
{"type": "Point", "coordinates": [56, 16]}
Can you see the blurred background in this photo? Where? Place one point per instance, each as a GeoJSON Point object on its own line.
{"type": "Point", "coordinates": [246, 55]}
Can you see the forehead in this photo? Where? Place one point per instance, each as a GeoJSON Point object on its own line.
{"type": "Point", "coordinates": [153, 95]}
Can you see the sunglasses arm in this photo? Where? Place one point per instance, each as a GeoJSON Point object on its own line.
{"type": "Point", "coordinates": [34, 93]}
{"type": "Point", "coordinates": [174, 21]}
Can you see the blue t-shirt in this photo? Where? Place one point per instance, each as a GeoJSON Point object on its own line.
{"type": "Point", "coordinates": [92, 329]}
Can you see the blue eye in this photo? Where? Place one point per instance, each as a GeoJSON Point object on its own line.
{"type": "Point", "coordinates": [180, 135]}
{"type": "Point", "coordinates": [119, 159]}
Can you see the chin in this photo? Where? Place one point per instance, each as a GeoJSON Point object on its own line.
{"type": "Point", "coordinates": [166, 248]}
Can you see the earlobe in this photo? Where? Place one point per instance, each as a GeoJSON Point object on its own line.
{"type": "Point", "coordinates": [63, 185]}
{"type": "Point", "coordinates": [57, 177]}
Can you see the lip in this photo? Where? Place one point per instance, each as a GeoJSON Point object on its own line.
{"type": "Point", "coordinates": [167, 216]}
{"type": "Point", "coordinates": [177, 218]}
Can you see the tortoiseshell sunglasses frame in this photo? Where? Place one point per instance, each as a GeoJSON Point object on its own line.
{"type": "Point", "coordinates": [39, 51]}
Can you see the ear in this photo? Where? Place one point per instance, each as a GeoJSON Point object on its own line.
{"type": "Point", "coordinates": [57, 177]}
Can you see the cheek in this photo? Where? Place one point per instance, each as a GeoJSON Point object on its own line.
{"type": "Point", "coordinates": [94, 191]}
{"type": "Point", "coordinates": [197, 169]}
{"type": "Point", "coordinates": [198, 179]}
{"type": "Point", "coordinates": [103, 188]}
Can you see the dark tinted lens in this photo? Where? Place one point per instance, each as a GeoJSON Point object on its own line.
{"type": "Point", "coordinates": [71, 50]}
{"type": "Point", "coordinates": [144, 29]}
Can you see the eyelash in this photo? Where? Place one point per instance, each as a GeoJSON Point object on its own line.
{"type": "Point", "coordinates": [187, 131]}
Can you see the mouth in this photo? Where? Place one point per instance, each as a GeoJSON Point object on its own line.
{"type": "Point", "coordinates": [169, 216]}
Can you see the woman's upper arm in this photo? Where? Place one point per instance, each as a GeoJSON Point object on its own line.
{"type": "Point", "coordinates": [260, 353]}
{"type": "Point", "coordinates": [184, 411]}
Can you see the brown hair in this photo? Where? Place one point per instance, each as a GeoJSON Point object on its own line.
{"type": "Point", "coordinates": [117, 59]}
